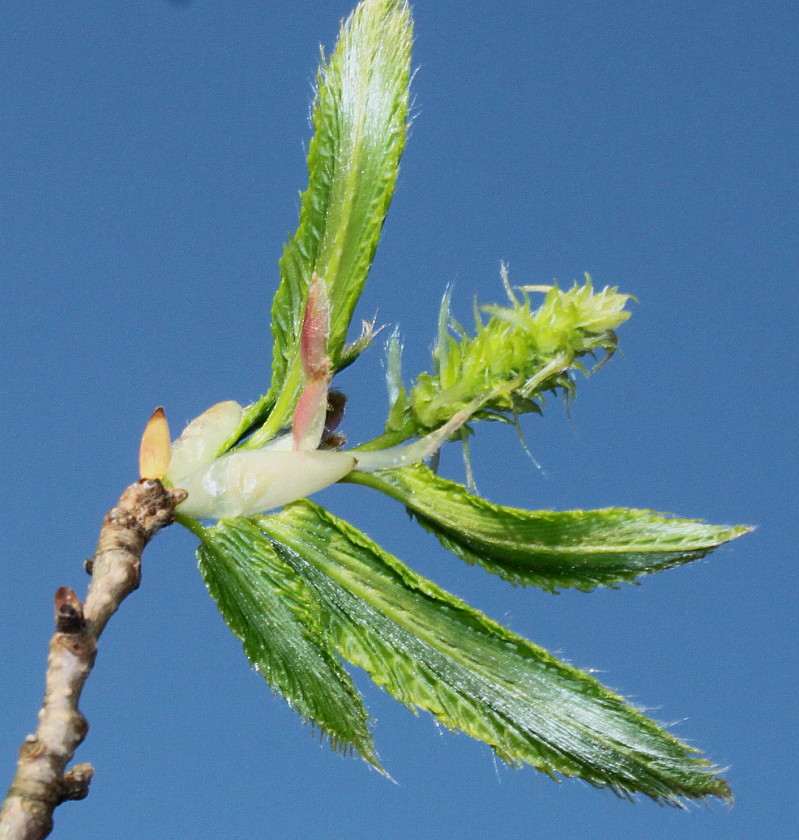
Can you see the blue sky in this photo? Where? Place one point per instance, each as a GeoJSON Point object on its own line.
{"type": "Point", "coordinates": [150, 160]}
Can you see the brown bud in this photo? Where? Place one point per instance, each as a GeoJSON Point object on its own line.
{"type": "Point", "coordinates": [68, 611]}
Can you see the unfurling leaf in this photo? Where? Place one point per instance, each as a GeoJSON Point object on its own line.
{"type": "Point", "coordinates": [359, 117]}
{"type": "Point", "coordinates": [432, 651]}
{"type": "Point", "coordinates": [550, 549]}
{"type": "Point", "coordinates": [512, 359]}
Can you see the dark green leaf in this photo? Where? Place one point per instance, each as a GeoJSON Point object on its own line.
{"type": "Point", "coordinates": [432, 651]}
{"type": "Point", "coordinates": [551, 549]}
{"type": "Point", "coordinates": [274, 613]}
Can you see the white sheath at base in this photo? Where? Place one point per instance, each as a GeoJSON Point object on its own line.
{"type": "Point", "coordinates": [250, 482]}
{"type": "Point", "coordinates": [200, 441]}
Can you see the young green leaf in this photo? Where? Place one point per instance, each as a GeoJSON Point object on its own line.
{"type": "Point", "coordinates": [550, 549]}
{"type": "Point", "coordinates": [510, 361]}
{"type": "Point", "coordinates": [275, 614]}
{"type": "Point", "coordinates": [434, 652]}
{"type": "Point", "coordinates": [359, 117]}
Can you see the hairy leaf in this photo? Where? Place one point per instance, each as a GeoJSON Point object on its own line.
{"type": "Point", "coordinates": [275, 614]}
{"type": "Point", "coordinates": [511, 360]}
{"type": "Point", "coordinates": [359, 119]}
{"type": "Point", "coordinates": [432, 651]}
{"type": "Point", "coordinates": [582, 549]}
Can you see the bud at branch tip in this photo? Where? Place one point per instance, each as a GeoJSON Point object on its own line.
{"type": "Point", "coordinates": [154, 452]}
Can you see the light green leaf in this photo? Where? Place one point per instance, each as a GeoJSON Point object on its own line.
{"type": "Point", "coordinates": [515, 356]}
{"type": "Point", "coordinates": [551, 549]}
{"type": "Point", "coordinates": [359, 116]}
{"type": "Point", "coordinates": [274, 613]}
{"type": "Point", "coordinates": [434, 652]}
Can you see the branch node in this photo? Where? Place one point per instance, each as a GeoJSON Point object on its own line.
{"type": "Point", "coordinates": [75, 784]}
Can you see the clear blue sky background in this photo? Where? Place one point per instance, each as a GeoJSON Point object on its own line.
{"type": "Point", "coordinates": [151, 154]}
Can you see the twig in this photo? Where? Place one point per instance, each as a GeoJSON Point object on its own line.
{"type": "Point", "coordinates": [41, 782]}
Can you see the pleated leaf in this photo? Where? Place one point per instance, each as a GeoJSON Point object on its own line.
{"type": "Point", "coordinates": [432, 651]}
{"type": "Point", "coordinates": [275, 614]}
{"type": "Point", "coordinates": [581, 549]}
{"type": "Point", "coordinates": [359, 117]}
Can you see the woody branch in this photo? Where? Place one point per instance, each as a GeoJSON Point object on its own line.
{"type": "Point", "coordinates": [41, 782]}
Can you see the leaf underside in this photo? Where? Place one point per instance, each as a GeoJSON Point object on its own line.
{"type": "Point", "coordinates": [432, 651]}
{"type": "Point", "coordinates": [549, 549]}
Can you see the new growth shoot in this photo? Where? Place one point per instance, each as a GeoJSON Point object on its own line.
{"type": "Point", "coordinates": [304, 590]}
